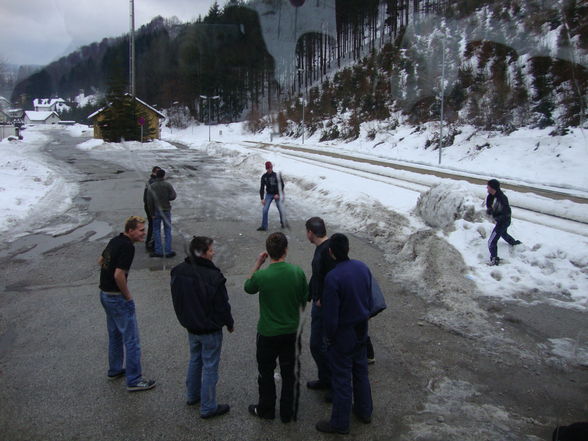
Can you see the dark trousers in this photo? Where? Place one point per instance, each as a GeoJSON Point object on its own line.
{"type": "Point", "coordinates": [498, 232]}
{"type": "Point", "coordinates": [350, 384]}
{"type": "Point", "coordinates": [318, 348]}
{"type": "Point", "coordinates": [283, 348]}
{"type": "Point", "coordinates": [149, 238]}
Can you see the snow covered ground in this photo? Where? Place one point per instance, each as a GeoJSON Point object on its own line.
{"type": "Point", "coordinates": [551, 266]}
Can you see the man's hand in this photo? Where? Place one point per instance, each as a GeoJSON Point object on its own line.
{"type": "Point", "coordinates": [263, 202]}
{"type": "Point", "coordinates": [276, 196]}
{"type": "Point", "coordinates": [261, 260]}
{"type": "Point", "coordinates": [231, 329]}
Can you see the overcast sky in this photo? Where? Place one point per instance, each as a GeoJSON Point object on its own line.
{"type": "Point", "coordinates": [40, 31]}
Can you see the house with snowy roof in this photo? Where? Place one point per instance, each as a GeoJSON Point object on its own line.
{"type": "Point", "coordinates": [149, 117]}
{"type": "Point", "coordinates": [50, 105]}
{"type": "Point", "coordinates": [4, 103]}
{"type": "Point", "coordinates": [43, 117]}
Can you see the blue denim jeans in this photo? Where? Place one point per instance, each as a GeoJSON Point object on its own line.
{"type": "Point", "coordinates": [123, 336]}
{"type": "Point", "coordinates": [268, 201]}
{"type": "Point", "coordinates": [158, 218]}
{"type": "Point", "coordinates": [202, 375]}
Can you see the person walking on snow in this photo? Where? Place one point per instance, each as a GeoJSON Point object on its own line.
{"type": "Point", "coordinates": [498, 207]}
{"type": "Point", "coordinates": [271, 188]}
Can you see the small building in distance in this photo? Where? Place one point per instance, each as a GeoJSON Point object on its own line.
{"type": "Point", "coordinates": [37, 118]}
{"type": "Point", "coordinates": [50, 105]}
{"type": "Point", "coordinates": [146, 114]}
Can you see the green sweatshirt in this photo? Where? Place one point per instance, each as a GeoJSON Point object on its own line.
{"type": "Point", "coordinates": [282, 291]}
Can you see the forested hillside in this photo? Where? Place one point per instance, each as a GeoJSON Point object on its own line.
{"type": "Point", "coordinates": [493, 64]}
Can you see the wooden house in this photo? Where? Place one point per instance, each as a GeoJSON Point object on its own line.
{"type": "Point", "coordinates": [149, 117]}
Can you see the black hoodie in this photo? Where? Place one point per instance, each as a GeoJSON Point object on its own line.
{"type": "Point", "coordinates": [200, 297]}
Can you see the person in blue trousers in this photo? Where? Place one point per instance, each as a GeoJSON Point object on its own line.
{"type": "Point", "coordinates": [202, 306]}
{"type": "Point", "coordinates": [271, 189]}
{"type": "Point", "coordinates": [498, 207]}
{"type": "Point", "coordinates": [117, 301]}
{"type": "Point", "coordinates": [159, 196]}
{"type": "Point", "coordinates": [346, 311]}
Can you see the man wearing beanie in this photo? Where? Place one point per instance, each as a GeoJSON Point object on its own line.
{"type": "Point", "coordinates": [271, 188]}
{"type": "Point", "coordinates": [498, 207]}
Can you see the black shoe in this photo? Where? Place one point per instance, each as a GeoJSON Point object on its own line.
{"type": "Point", "coordinates": [221, 409]}
{"type": "Point", "coordinates": [285, 419]}
{"type": "Point", "coordinates": [317, 385]}
{"type": "Point", "coordinates": [155, 255]}
{"type": "Point", "coordinates": [495, 261]}
{"type": "Point", "coordinates": [254, 410]}
{"type": "Point", "coordinates": [325, 426]}
{"type": "Point", "coordinates": [262, 229]}
{"type": "Point", "coordinates": [171, 254]}
{"type": "Point", "coordinates": [117, 376]}
{"type": "Point", "coordinates": [193, 402]}
{"type": "Point", "coordinates": [364, 420]}
{"type": "Point", "coordinates": [517, 242]}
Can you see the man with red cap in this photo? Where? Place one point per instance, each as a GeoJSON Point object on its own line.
{"type": "Point", "coordinates": [271, 188]}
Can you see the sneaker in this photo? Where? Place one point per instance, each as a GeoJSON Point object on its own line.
{"type": "Point", "coordinates": [221, 409]}
{"type": "Point", "coordinates": [170, 254]}
{"type": "Point", "coordinates": [325, 426]}
{"type": "Point", "coordinates": [317, 385]}
{"type": "Point", "coordinates": [254, 410]}
{"type": "Point", "coordinates": [155, 254]}
{"type": "Point", "coordinates": [517, 242]}
{"type": "Point", "coordinates": [142, 384]}
{"type": "Point", "coordinates": [495, 261]}
{"type": "Point", "coordinates": [262, 229]}
{"type": "Point", "coordinates": [117, 376]}
{"type": "Point", "coordinates": [193, 402]}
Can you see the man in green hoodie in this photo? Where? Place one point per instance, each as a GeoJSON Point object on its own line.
{"type": "Point", "coordinates": [283, 292]}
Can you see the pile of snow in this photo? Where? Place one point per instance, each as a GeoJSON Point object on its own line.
{"type": "Point", "coordinates": [31, 190]}
{"type": "Point", "coordinates": [101, 145]}
{"type": "Point", "coordinates": [443, 204]}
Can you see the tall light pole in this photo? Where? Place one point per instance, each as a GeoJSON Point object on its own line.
{"type": "Point", "coordinates": [209, 99]}
{"type": "Point", "coordinates": [132, 50]}
{"type": "Point", "coordinates": [302, 98]}
{"type": "Point", "coordinates": [442, 95]}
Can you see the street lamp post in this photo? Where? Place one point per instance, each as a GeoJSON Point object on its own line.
{"type": "Point", "coordinates": [209, 98]}
{"type": "Point", "coordinates": [300, 71]}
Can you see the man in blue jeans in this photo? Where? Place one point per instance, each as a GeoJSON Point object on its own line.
{"type": "Point", "coordinates": [202, 306]}
{"type": "Point", "coordinates": [159, 196]}
{"type": "Point", "coordinates": [271, 189]}
{"type": "Point", "coordinates": [121, 321]}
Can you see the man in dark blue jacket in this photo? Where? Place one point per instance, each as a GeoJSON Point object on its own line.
{"type": "Point", "coordinates": [202, 306]}
{"type": "Point", "coordinates": [346, 310]}
{"type": "Point", "coordinates": [498, 207]}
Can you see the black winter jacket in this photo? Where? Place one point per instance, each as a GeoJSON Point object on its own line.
{"type": "Point", "coordinates": [498, 207]}
{"type": "Point", "coordinates": [269, 184]}
{"type": "Point", "coordinates": [200, 297]}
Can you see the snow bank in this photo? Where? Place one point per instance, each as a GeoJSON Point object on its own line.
{"type": "Point", "coordinates": [31, 189]}
{"type": "Point", "coordinates": [443, 204]}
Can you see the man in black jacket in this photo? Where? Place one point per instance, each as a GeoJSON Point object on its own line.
{"type": "Point", "coordinates": [202, 306]}
{"type": "Point", "coordinates": [271, 189]}
{"type": "Point", "coordinates": [498, 207]}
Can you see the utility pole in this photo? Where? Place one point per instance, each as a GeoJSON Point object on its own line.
{"type": "Point", "coordinates": [132, 50]}
{"type": "Point", "coordinates": [209, 99]}
{"type": "Point", "coordinates": [442, 95]}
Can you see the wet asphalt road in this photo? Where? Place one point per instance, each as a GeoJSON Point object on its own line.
{"type": "Point", "coordinates": [53, 337]}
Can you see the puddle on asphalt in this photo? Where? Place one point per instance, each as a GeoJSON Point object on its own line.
{"type": "Point", "coordinates": [35, 245]}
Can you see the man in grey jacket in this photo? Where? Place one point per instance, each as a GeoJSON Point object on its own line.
{"type": "Point", "coordinates": [159, 196]}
